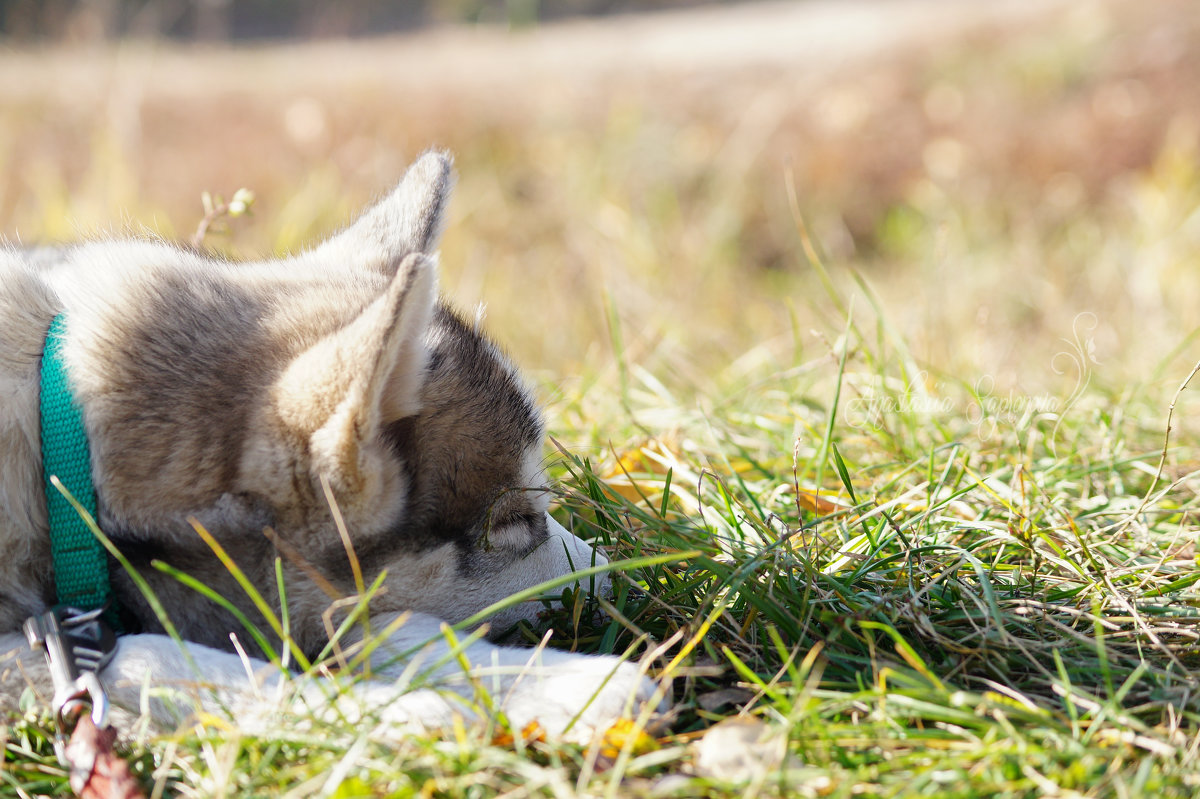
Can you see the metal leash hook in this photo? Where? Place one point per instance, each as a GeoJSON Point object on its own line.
{"type": "Point", "coordinates": [77, 644]}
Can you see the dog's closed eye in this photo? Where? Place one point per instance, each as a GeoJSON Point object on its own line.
{"type": "Point", "coordinates": [520, 531]}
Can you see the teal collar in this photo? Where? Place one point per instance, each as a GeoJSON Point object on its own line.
{"type": "Point", "coordinates": [80, 562]}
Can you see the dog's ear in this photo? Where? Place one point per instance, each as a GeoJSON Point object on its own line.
{"type": "Point", "coordinates": [343, 390]}
{"type": "Point", "coordinates": [406, 221]}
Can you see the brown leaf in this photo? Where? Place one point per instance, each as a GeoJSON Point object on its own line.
{"type": "Point", "coordinates": [726, 696]}
{"type": "Point", "coordinates": [532, 733]}
{"type": "Point", "coordinates": [97, 772]}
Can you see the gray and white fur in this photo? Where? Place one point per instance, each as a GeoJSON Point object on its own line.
{"type": "Point", "coordinates": [230, 395]}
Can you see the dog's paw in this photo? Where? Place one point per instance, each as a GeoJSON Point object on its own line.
{"type": "Point", "coordinates": [574, 697]}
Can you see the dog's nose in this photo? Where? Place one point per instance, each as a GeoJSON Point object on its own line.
{"type": "Point", "coordinates": [636, 592]}
{"type": "Point", "coordinates": [581, 553]}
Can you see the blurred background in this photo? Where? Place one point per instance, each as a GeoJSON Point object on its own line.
{"type": "Point", "coordinates": [698, 195]}
{"type": "Point", "coordinates": [221, 20]}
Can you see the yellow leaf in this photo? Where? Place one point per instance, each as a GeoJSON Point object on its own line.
{"type": "Point", "coordinates": [626, 734]}
{"type": "Point", "coordinates": [815, 503]}
{"type": "Point", "coordinates": [651, 457]}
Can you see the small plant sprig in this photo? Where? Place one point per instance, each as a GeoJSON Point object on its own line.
{"type": "Point", "coordinates": [216, 210]}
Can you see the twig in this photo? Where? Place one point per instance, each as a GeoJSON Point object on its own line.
{"type": "Point", "coordinates": [215, 210]}
{"type": "Point", "coordinates": [1166, 443]}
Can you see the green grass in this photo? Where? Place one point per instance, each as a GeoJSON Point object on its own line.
{"type": "Point", "coordinates": [981, 617]}
{"type": "Point", "coordinates": [911, 411]}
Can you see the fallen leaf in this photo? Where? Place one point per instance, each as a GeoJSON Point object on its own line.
{"type": "Point", "coordinates": [625, 733]}
{"type": "Point", "coordinates": [532, 732]}
{"type": "Point", "coordinates": [726, 696]}
{"type": "Point", "coordinates": [650, 457]}
{"type": "Point", "coordinates": [817, 503]}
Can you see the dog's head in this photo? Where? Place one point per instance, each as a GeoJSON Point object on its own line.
{"type": "Point", "coordinates": [246, 396]}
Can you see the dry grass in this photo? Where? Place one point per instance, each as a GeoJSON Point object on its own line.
{"type": "Point", "coordinates": [971, 181]}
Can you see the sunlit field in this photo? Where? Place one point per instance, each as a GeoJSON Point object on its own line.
{"type": "Point", "coordinates": [881, 317]}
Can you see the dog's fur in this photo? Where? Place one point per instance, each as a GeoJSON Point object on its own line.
{"type": "Point", "coordinates": [238, 397]}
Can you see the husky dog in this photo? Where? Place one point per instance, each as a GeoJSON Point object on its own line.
{"type": "Point", "coordinates": [329, 399]}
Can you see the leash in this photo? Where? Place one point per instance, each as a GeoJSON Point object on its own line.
{"type": "Point", "coordinates": [77, 636]}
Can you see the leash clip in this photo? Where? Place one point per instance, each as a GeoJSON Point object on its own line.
{"type": "Point", "coordinates": [77, 644]}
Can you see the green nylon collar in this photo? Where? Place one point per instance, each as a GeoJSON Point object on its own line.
{"type": "Point", "coordinates": [80, 562]}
